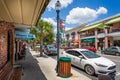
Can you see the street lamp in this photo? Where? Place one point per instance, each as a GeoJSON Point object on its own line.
{"type": "Point", "coordinates": [57, 7]}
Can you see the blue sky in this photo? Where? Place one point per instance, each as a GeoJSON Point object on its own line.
{"type": "Point", "coordinates": [77, 12]}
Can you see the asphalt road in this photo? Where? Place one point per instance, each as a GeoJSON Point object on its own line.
{"type": "Point", "coordinates": [115, 59]}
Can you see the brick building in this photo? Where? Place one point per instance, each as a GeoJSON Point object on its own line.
{"type": "Point", "coordinates": [15, 14]}
{"type": "Point", "coordinates": [6, 49]}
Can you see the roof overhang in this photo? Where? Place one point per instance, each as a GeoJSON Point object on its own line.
{"type": "Point", "coordinates": [99, 25]}
{"type": "Point", "coordinates": [26, 12]}
{"type": "Point", "coordinates": [115, 20]}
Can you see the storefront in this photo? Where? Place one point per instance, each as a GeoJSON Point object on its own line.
{"type": "Point", "coordinates": [116, 41]}
{"type": "Point", "coordinates": [88, 41]}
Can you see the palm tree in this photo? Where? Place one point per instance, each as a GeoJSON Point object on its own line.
{"type": "Point", "coordinates": [33, 31]}
{"type": "Point", "coordinates": [44, 29]}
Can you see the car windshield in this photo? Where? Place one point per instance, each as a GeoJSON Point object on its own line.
{"type": "Point", "coordinates": [90, 54]}
{"type": "Point", "coordinates": [51, 47]}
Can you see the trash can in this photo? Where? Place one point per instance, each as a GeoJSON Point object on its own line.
{"type": "Point", "coordinates": [64, 67]}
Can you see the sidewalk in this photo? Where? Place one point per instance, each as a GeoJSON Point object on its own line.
{"type": "Point", "coordinates": [43, 68]}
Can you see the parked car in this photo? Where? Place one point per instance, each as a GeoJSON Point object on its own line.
{"type": "Point", "coordinates": [50, 49]}
{"type": "Point", "coordinates": [90, 62]}
{"type": "Point", "coordinates": [114, 50]}
{"type": "Point", "coordinates": [37, 47]}
{"type": "Point", "coordinates": [89, 48]}
{"type": "Point", "coordinates": [66, 48]}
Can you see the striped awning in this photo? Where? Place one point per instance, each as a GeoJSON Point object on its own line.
{"type": "Point", "coordinates": [26, 12]}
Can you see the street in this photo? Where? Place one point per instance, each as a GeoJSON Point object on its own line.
{"type": "Point", "coordinates": [115, 59]}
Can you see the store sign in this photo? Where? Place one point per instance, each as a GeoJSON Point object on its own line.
{"type": "Point", "coordinates": [102, 35]}
{"type": "Point", "coordinates": [88, 40]}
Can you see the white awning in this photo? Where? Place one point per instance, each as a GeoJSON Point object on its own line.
{"type": "Point", "coordinates": [26, 12]}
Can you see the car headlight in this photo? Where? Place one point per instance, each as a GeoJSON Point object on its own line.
{"type": "Point", "coordinates": [100, 65]}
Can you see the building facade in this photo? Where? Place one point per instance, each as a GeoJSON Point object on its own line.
{"type": "Point", "coordinates": [72, 36]}
{"type": "Point", "coordinates": [16, 14]}
{"type": "Point", "coordinates": [6, 50]}
{"type": "Point", "coordinates": [101, 34]}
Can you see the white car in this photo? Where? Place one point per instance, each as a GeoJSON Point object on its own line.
{"type": "Point", "coordinates": [90, 62]}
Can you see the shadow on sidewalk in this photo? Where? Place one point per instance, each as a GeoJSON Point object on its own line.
{"type": "Point", "coordinates": [31, 69]}
{"type": "Point", "coordinates": [38, 56]}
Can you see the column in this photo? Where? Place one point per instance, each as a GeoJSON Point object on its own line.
{"type": "Point", "coordinates": [106, 38]}
{"type": "Point", "coordinates": [79, 38]}
{"type": "Point", "coordinates": [96, 40]}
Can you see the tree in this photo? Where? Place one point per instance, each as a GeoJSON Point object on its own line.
{"type": "Point", "coordinates": [45, 32]}
{"type": "Point", "coordinates": [33, 31]}
{"type": "Point", "coordinates": [49, 39]}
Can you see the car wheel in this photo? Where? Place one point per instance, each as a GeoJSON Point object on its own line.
{"type": "Point", "coordinates": [89, 70]}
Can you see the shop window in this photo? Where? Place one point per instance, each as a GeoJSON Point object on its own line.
{"type": "Point", "coordinates": [116, 43]}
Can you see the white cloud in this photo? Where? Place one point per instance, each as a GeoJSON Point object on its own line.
{"type": "Point", "coordinates": [102, 10]}
{"type": "Point", "coordinates": [84, 15]}
{"type": "Point", "coordinates": [50, 20]}
{"type": "Point", "coordinates": [64, 3]}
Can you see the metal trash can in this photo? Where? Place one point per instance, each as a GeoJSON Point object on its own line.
{"type": "Point", "coordinates": [64, 67]}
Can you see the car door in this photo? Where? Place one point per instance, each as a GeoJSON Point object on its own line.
{"type": "Point", "coordinates": [69, 54]}
{"type": "Point", "coordinates": [78, 59]}
{"type": "Point", "coordinates": [108, 50]}
{"type": "Point", "coordinates": [114, 50]}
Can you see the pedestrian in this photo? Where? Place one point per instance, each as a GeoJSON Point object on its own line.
{"type": "Point", "coordinates": [23, 51]}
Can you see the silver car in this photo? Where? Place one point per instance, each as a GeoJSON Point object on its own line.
{"type": "Point", "coordinates": [90, 62]}
{"type": "Point", "coordinates": [50, 49]}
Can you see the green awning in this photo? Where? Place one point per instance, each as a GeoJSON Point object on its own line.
{"type": "Point", "coordinates": [99, 25]}
{"type": "Point", "coordinates": [106, 26]}
{"type": "Point", "coordinates": [113, 20]}
{"type": "Point", "coordinates": [90, 40]}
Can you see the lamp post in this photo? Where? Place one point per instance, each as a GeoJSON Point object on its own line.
{"type": "Point", "coordinates": [57, 7]}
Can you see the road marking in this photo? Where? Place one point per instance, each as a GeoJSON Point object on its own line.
{"type": "Point", "coordinates": [118, 73]}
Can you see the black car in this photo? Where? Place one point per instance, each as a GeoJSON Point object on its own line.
{"type": "Point", "coordinates": [113, 50]}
